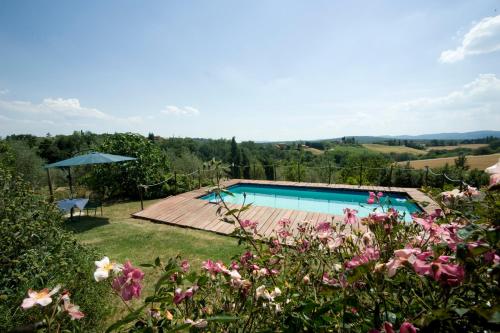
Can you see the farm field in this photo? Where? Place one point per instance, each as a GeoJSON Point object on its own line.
{"type": "Point", "coordinates": [480, 162]}
{"type": "Point", "coordinates": [314, 151]}
{"type": "Point", "coordinates": [468, 146]}
{"type": "Point", "coordinates": [393, 149]}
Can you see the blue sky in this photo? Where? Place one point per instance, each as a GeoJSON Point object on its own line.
{"type": "Point", "coordinates": [260, 70]}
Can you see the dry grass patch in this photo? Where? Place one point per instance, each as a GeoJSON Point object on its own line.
{"type": "Point", "coordinates": [468, 146]}
{"type": "Point", "coordinates": [393, 149]}
{"type": "Point", "coordinates": [480, 162]}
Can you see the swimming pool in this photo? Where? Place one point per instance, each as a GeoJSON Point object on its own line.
{"type": "Point", "coordinates": [313, 199]}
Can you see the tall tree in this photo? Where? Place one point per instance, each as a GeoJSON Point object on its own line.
{"type": "Point", "coordinates": [235, 159]}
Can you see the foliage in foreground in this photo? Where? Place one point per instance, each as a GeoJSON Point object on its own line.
{"type": "Point", "coordinates": [438, 273]}
{"type": "Point", "coordinates": [35, 252]}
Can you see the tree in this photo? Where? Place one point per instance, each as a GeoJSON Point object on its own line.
{"type": "Point", "coordinates": [235, 159]}
{"type": "Point", "coordinates": [121, 179]}
{"type": "Point", "coordinates": [461, 162]}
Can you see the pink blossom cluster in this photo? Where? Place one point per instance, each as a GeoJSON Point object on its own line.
{"type": "Point", "coordinates": [129, 282]}
{"type": "Point", "coordinates": [374, 197]}
{"type": "Point", "coordinates": [370, 254]}
{"type": "Point", "coordinates": [180, 295]}
{"type": "Point", "coordinates": [441, 269]}
{"type": "Point", "coordinates": [350, 216]}
{"type": "Point", "coordinates": [405, 327]}
{"type": "Point", "coordinates": [214, 267]}
{"type": "Point", "coordinates": [249, 225]}
{"type": "Point", "coordinates": [468, 192]}
{"type": "Point", "coordinates": [331, 281]}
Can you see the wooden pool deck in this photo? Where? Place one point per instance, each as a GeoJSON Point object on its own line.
{"type": "Point", "coordinates": [186, 210]}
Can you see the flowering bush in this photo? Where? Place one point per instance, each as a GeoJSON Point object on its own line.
{"type": "Point", "coordinates": [36, 252]}
{"type": "Point", "coordinates": [373, 274]}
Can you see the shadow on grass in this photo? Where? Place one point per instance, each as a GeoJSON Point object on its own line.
{"type": "Point", "coordinates": [84, 223]}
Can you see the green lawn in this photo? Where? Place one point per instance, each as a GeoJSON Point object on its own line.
{"type": "Point", "coordinates": [122, 237]}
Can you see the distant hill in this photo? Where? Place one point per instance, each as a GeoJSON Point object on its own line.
{"type": "Point", "coordinates": [435, 136]}
{"type": "Point", "coordinates": [448, 136]}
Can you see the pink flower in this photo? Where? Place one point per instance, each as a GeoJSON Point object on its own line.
{"type": "Point", "coordinates": [249, 225]}
{"type": "Point", "coordinates": [388, 327]}
{"type": "Point", "coordinates": [185, 266]}
{"type": "Point", "coordinates": [323, 226]}
{"type": "Point", "coordinates": [371, 194]}
{"type": "Point", "coordinates": [72, 309]}
{"type": "Point", "coordinates": [492, 257]}
{"type": "Point", "coordinates": [214, 267]}
{"type": "Point", "coordinates": [350, 216]}
{"type": "Point", "coordinates": [303, 245]}
{"type": "Point", "coordinates": [246, 258]}
{"type": "Point", "coordinates": [495, 179]}
{"type": "Point", "coordinates": [471, 192]}
{"type": "Point", "coordinates": [380, 195]}
{"type": "Point", "coordinates": [407, 327]}
{"type": "Point", "coordinates": [370, 254]}
{"type": "Point", "coordinates": [234, 266]}
{"type": "Point", "coordinates": [284, 222]}
{"type": "Point", "coordinates": [334, 282]}
{"type": "Point", "coordinates": [371, 200]}
{"type": "Point", "coordinates": [180, 295]}
{"type": "Point", "coordinates": [42, 297]}
{"type": "Point", "coordinates": [440, 269]}
{"type": "Point", "coordinates": [284, 234]}
{"type": "Point", "coordinates": [129, 282]}
{"type": "Point", "coordinates": [400, 258]}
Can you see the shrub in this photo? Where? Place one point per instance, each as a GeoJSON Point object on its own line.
{"type": "Point", "coordinates": [35, 252]}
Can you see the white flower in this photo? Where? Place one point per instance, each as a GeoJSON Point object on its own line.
{"type": "Point", "coordinates": [103, 268]}
{"type": "Point", "coordinates": [235, 275]}
{"type": "Point", "coordinates": [42, 297]}
{"type": "Point", "coordinates": [200, 323]}
{"type": "Point", "coordinates": [276, 292]}
{"type": "Point", "coordinates": [261, 292]}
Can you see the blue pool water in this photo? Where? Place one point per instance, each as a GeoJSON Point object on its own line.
{"type": "Point", "coordinates": [330, 201]}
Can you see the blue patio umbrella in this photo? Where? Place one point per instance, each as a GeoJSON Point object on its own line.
{"type": "Point", "coordinates": [90, 158]}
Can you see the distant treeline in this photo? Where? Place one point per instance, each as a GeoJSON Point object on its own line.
{"type": "Point", "coordinates": [159, 158]}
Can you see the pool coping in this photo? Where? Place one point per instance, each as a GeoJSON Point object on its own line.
{"type": "Point", "coordinates": [188, 210]}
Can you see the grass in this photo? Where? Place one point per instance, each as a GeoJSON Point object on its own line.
{"type": "Point", "coordinates": [393, 149]}
{"type": "Point", "coordinates": [120, 237]}
{"type": "Point", "coordinates": [480, 162]}
{"type": "Point", "coordinates": [468, 146]}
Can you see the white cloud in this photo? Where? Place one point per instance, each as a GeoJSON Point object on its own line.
{"type": "Point", "coordinates": [183, 111]}
{"type": "Point", "coordinates": [59, 115]}
{"type": "Point", "coordinates": [483, 37]}
{"type": "Point", "coordinates": [4, 91]}
{"type": "Point", "coordinates": [473, 106]}
{"type": "Point", "coordinates": [481, 95]}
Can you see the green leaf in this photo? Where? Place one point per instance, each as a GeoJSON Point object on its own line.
{"type": "Point", "coordinates": [461, 311]}
{"type": "Point", "coordinates": [162, 279]}
{"type": "Point", "coordinates": [157, 262]}
{"type": "Point", "coordinates": [129, 318]}
{"type": "Point", "coordinates": [179, 328]}
{"type": "Point", "coordinates": [222, 318]}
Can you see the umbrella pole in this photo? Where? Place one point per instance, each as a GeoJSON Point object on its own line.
{"type": "Point", "coordinates": [70, 183]}
{"type": "Point", "coordinates": [50, 186]}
